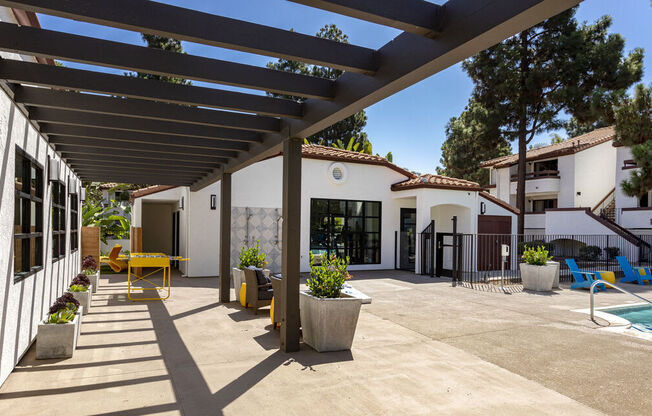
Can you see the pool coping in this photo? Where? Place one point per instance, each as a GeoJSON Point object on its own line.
{"type": "Point", "coordinates": [617, 324]}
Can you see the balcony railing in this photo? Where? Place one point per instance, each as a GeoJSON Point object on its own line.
{"type": "Point", "coordinates": [538, 175]}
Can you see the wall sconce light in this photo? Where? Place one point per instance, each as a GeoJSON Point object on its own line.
{"type": "Point", "coordinates": [213, 201]}
{"type": "Point", "coordinates": [579, 193]}
{"type": "Point", "coordinates": [483, 207]}
{"type": "Point", "coordinates": [83, 194]}
{"type": "Point", "coordinates": [72, 188]}
{"type": "Point", "coordinates": [53, 170]}
{"type": "Point", "coordinates": [181, 204]}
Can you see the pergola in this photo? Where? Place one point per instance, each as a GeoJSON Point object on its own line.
{"type": "Point", "coordinates": [163, 133]}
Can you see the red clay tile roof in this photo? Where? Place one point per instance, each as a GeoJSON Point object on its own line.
{"type": "Point", "coordinates": [436, 181]}
{"type": "Point", "coordinates": [500, 202]}
{"type": "Point", "coordinates": [567, 147]}
{"type": "Point", "coordinates": [313, 151]}
{"type": "Point", "coordinates": [149, 190]}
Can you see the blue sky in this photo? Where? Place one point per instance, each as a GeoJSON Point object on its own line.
{"type": "Point", "coordinates": [411, 123]}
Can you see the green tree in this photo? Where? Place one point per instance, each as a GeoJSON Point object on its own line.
{"type": "Point", "coordinates": [344, 130]}
{"type": "Point", "coordinates": [167, 44]}
{"type": "Point", "coordinates": [529, 80]}
{"type": "Point", "coordinates": [470, 139]}
{"type": "Point", "coordinates": [634, 129]}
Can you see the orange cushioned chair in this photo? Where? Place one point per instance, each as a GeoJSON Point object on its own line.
{"type": "Point", "coordinates": [116, 262]}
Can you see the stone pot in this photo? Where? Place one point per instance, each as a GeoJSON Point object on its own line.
{"type": "Point", "coordinates": [538, 278]}
{"type": "Point", "coordinates": [79, 314]}
{"type": "Point", "coordinates": [84, 298]}
{"type": "Point", "coordinates": [238, 280]}
{"type": "Point", "coordinates": [329, 324]}
{"type": "Point", "coordinates": [56, 340]}
{"type": "Point", "coordinates": [95, 280]}
{"type": "Point", "coordinates": [555, 283]}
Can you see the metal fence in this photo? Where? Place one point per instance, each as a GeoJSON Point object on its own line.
{"type": "Point", "coordinates": [476, 258]}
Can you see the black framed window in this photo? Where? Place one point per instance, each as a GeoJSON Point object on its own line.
{"type": "Point", "coordinates": [74, 223]}
{"type": "Point", "coordinates": [541, 205]}
{"type": "Point", "coordinates": [58, 221]}
{"type": "Point", "coordinates": [346, 228]}
{"type": "Point", "coordinates": [28, 216]}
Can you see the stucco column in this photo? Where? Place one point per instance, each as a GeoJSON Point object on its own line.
{"type": "Point", "coordinates": [291, 244]}
{"type": "Point", "coordinates": [225, 238]}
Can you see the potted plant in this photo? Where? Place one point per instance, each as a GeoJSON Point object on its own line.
{"type": "Point", "coordinates": [249, 256]}
{"type": "Point", "coordinates": [537, 272]}
{"type": "Point", "coordinates": [81, 289]}
{"type": "Point", "coordinates": [90, 269]}
{"type": "Point", "coordinates": [57, 335]}
{"type": "Point", "coordinates": [328, 317]}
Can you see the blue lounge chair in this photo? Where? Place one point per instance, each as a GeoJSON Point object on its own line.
{"type": "Point", "coordinates": [633, 275]}
{"type": "Point", "coordinates": [583, 278]}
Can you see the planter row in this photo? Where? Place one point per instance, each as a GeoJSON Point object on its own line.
{"type": "Point", "coordinates": [60, 340]}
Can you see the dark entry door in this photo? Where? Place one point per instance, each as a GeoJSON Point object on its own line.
{"type": "Point", "coordinates": [175, 236]}
{"type": "Point", "coordinates": [408, 241]}
{"type": "Point", "coordinates": [493, 231]}
{"type": "Point", "coordinates": [444, 263]}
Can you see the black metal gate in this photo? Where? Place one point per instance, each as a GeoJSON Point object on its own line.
{"type": "Point", "coordinates": [427, 248]}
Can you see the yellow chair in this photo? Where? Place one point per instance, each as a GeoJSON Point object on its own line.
{"type": "Point", "coordinates": [114, 260]}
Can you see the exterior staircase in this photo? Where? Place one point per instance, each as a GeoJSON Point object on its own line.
{"type": "Point", "coordinates": [606, 208]}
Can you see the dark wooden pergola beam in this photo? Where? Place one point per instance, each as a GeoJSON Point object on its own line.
{"type": "Point", "coordinates": [89, 165]}
{"type": "Point", "coordinates": [414, 16]}
{"type": "Point", "coordinates": [139, 147]}
{"type": "Point", "coordinates": [136, 179]}
{"type": "Point", "coordinates": [161, 158]}
{"type": "Point", "coordinates": [193, 26]}
{"type": "Point", "coordinates": [88, 155]}
{"type": "Point", "coordinates": [142, 109]}
{"type": "Point", "coordinates": [48, 43]}
{"type": "Point", "coordinates": [119, 125]}
{"type": "Point", "coordinates": [180, 175]}
{"type": "Point", "coordinates": [120, 85]}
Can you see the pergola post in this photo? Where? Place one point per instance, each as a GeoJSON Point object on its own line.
{"type": "Point", "coordinates": [291, 243]}
{"type": "Point", "coordinates": [225, 238]}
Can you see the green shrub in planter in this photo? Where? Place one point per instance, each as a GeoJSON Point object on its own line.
{"type": "Point", "coordinates": [326, 280]}
{"type": "Point", "coordinates": [252, 256]}
{"type": "Point", "coordinates": [78, 288]}
{"type": "Point", "coordinates": [590, 253]}
{"type": "Point", "coordinates": [522, 246]}
{"type": "Point", "coordinates": [89, 265]}
{"type": "Point", "coordinates": [63, 309]}
{"type": "Point", "coordinates": [536, 257]}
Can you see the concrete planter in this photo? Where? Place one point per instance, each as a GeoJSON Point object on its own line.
{"type": "Point", "coordinates": [555, 283]}
{"type": "Point", "coordinates": [84, 298]}
{"type": "Point", "coordinates": [56, 340]}
{"type": "Point", "coordinates": [538, 278]}
{"type": "Point", "coordinates": [329, 324]}
{"type": "Point", "coordinates": [238, 280]}
{"type": "Point", "coordinates": [95, 280]}
{"type": "Point", "coordinates": [79, 314]}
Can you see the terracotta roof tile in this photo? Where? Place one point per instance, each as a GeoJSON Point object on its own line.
{"type": "Point", "coordinates": [567, 147]}
{"type": "Point", "coordinates": [313, 151]}
{"type": "Point", "coordinates": [436, 181]}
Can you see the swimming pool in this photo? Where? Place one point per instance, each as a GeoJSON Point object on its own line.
{"type": "Point", "coordinates": [639, 315]}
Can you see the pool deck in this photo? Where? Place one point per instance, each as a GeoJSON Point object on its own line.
{"type": "Point", "coordinates": [422, 347]}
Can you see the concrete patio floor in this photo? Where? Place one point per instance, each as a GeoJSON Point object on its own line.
{"type": "Point", "coordinates": [422, 347]}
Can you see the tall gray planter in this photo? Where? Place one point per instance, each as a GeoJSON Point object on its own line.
{"type": "Point", "coordinates": [84, 298]}
{"type": "Point", "coordinates": [56, 340]}
{"type": "Point", "coordinates": [329, 324]}
{"type": "Point", "coordinates": [238, 280]}
{"type": "Point", "coordinates": [538, 278]}
{"type": "Point", "coordinates": [95, 280]}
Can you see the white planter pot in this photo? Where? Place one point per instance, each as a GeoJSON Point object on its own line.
{"type": "Point", "coordinates": [95, 280]}
{"type": "Point", "coordinates": [79, 314]}
{"type": "Point", "coordinates": [238, 280]}
{"type": "Point", "coordinates": [329, 324]}
{"type": "Point", "coordinates": [555, 283]}
{"type": "Point", "coordinates": [538, 278]}
{"type": "Point", "coordinates": [84, 298]}
{"type": "Point", "coordinates": [56, 340]}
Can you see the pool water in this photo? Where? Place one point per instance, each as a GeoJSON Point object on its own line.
{"type": "Point", "coordinates": [639, 316]}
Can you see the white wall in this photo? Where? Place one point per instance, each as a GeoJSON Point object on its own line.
{"type": "Point", "coordinates": [566, 167]}
{"type": "Point", "coordinates": [594, 174]}
{"type": "Point", "coordinates": [622, 201]}
{"type": "Point", "coordinates": [503, 183]}
{"type": "Point", "coordinates": [25, 303]}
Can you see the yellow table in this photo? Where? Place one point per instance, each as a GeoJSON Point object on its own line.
{"type": "Point", "coordinates": [607, 276]}
{"type": "Point", "coordinates": [159, 261]}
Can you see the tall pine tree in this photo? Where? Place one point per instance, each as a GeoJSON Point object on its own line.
{"type": "Point", "coordinates": [344, 130]}
{"type": "Point", "coordinates": [168, 44]}
{"type": "Point", "coordinates": [557, 66]}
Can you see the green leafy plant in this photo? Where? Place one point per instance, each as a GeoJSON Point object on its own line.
{"type": "Point", "coordinates": [326, 279]}
{"type": "Point", "coordinates": [89, 265]}
{"type": "Point", "coordinates": [611, 252]}
{"type": "Point", "coordinates": [111, 223]}
{"type": "Point", "coordinates": [252, 256]}
{"type": "Point", "coordinates": [536, 256]}
{"type": "Point", "coordinates": [590, 253]}
{"type": "Point", "coordinates": [78, 288]}
{"type": "Point", "coordinates": [62, 316]}
{"type": "Point", "coordinates": [536, 243]}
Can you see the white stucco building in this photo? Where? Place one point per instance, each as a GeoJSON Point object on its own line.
{"type": "Point", "coordinates": [355, 205]}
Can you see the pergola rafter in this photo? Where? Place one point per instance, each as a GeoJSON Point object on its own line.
{"type": "Point", "coordinates": [205, 134]}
